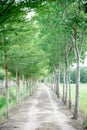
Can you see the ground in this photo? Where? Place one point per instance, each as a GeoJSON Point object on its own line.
{"type": "Point", "coordinates": [43, 111]}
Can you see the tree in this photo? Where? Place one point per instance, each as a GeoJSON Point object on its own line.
{"type": "Point", "coordinates": [78, 32]}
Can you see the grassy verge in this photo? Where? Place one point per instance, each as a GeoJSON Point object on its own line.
{"type": "Point", "coordinates": [12, 101]}
{"type": "Point", "coordinates": [83, 96]}
{"type": "Point", "coordinates": [83, 99]}
{"type": "Point", "coordinates": [12, 98]}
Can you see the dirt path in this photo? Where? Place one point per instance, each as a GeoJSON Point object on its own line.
{"type": "Point", "coordinates": [41, 112]}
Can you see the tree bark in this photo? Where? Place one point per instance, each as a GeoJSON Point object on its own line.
{"type": "Point", "coordinates": [17, 87]}
{"type": "Point", "coordinates": [23, 83]}
{"type": "Point", "coordinates": [70, 102]}
{"type": "Point", "coordinates": [30, 87]}
{"type": "Point", "coordinates": [58, 82]}
{"type": "Point", "coordinates": [29, 83]}
{"type": "Point", "coordinates": [54, 87]}
{"type": "Point", "coordinates": [7, 91]}
{"type": "Point", "coordinates": [27, 88]}
{"type": "Point", "coordinates": [66, 95]}
{"type": "Point", "coordinates": [51, 83]}
{"type": "Point", "coordinates": [6, 85]}
{"type": "Point", "coordinates": [63, 97]}
{"type": "Point", "coordinates": [54, 81]}
{"type": "Point", "coordinates": [77, 97]}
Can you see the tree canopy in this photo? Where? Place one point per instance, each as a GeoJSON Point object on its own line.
{"type": "Point", "coordinates": [39, 38]}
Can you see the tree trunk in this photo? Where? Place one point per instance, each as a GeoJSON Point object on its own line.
{"type": "Point", "coordinates": [77, 97]}
{"type": "Point", "coordinates": [27, 88]}
{"type": "Point", "coordinates": [23, 83]}
{"type": "Point", "coordinates": [30, 87]}
{"type": "Point", "coordinates": [29, 83]}
{"type": "Point", "coordinates": [70, 103]}
{"type": "Point", "coordinates": [58, 82]}
{"type": "Point", "coordinates": [66, 95]}
{"type": "Point", "coordinates": [51, 83]}
{"type": "Point", "coordinates": [54, 81]}
{"type": "Point", "coordinates": [17, 87]}
{"type": "Point", "coordinates": [6, 85]}
{"type": "Point", "coordinates": [7, 91]}
{"type": "Point", "coordinates": [63, 97]}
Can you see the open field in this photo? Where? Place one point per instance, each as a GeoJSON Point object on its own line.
{"type": "Point", "coordinates": [83, 96]}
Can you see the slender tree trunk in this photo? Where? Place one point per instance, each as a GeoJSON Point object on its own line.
{"type": "Point", "coordinates": [77, 97]}
{"type": "Point", "coordinates": [70, 103]}
{"type": "Point", "coordinates": [6, 85]}
{"type": "Point", "coordinates": [29, 82]}
{"type": "Point", "coordinates": [22, 79]}
{"type": "Point", "coordinates": [63, 97]}
{"type": "Point", "coordinates": [53, 81]}
{"type": "Point", "coordinates": [7, 91]}
{"type": "Point", "coordinates": [66, 95]}
{"type": "Point", "coordinates": [56, 86]}
{"type": "Point", "coordinates": [58, 82]}
{"type": "Point", "coordinates": [50, 85]}
{"type": "Point", "coordinates": [31, 87]}
{"type": "Point", "coordinates": [27, 87]}
{"type": "Point", "coordinates": [17, 87]}
{"type": "Point", "coordinates": [23, 83]}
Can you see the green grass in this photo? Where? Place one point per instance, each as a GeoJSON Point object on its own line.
{"type": "Point", "coordinates": [83, 100]}
{"type": "Point", "coordinates": [2, 105]}
{"type": "Point", "coordinates": [12, 99]}
{"type": "Point", "coordinates": [85, 123]}
{"type": "Point", "coordinates": [83, 97]}
{"type": "Point", "coordinates": [2, 101]}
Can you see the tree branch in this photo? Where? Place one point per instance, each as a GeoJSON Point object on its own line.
{"type": "Point", "coordinates": [7, 8]}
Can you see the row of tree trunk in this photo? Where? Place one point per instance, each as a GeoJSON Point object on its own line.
{"type": "Point", "coordinates": [28, 86]}
{"type": "Point", "coordinates": [66, 93]}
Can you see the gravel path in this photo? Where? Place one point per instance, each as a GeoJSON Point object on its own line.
{"type": "Point", "coordinates": [41, 112]}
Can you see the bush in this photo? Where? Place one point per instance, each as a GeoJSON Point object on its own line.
{"type": "Point", "coordinates": [2, 101]}
{"type": "Point", "coordinates": [2, 74]}
{"type": "Point", "coordinates": [85, 124]}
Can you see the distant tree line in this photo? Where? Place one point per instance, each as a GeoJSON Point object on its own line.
{"type": "Point", "coordinates": [83, 75]}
